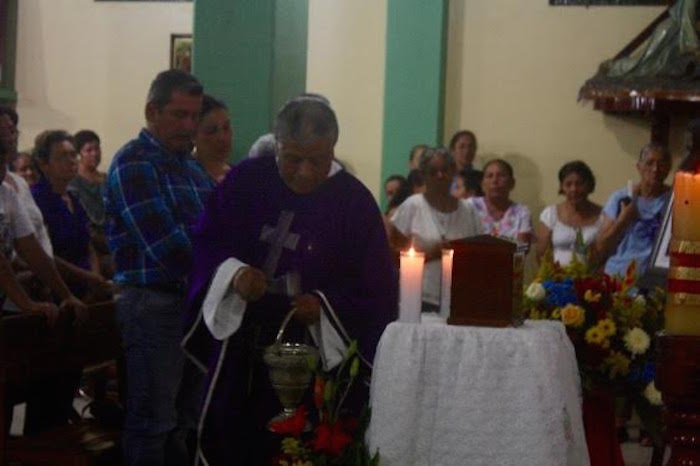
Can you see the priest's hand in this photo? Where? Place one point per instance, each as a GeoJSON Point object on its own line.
{"type": "Point", "coordinates": [308, 308]}
{"type": "Point", "coordinates": [250, 283]}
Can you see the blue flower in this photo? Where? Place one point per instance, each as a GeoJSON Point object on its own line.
{"type": "Point", "coordinates": [559, 294]}
{"type": "Point", "coordinates": [644, 374]}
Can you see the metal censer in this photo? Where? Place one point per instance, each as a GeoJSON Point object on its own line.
{"type": "Point", "coordinates": [289, 369]}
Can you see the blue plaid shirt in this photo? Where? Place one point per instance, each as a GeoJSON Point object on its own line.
{"type": "Point", "coordinates": [152, 200]}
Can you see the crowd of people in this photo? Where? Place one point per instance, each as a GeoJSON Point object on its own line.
{"type": "Point", "coordinates": [208, 258]}
{"type": "Point", "coordinates": [454, 200]}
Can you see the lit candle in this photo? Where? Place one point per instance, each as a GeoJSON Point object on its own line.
{"type": "Point", "coordinates": [682, 313]}
{"type": "Point", "coordinates": [686, 207]}
{"type": "Point", "coordinates": [446, 283]}
{"type": "Point", "coordinates": [411, 285]}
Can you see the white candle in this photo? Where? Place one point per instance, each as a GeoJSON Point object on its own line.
{"type": "Point", "coordinates": [410, 285]}
{"type": "Point", "coordinates": [446, 283]}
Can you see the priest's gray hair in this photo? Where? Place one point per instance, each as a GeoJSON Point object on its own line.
{"type": "Point", "coordinates": [306, 119]}
{"type": "Point", "coordinates": [430, 153]}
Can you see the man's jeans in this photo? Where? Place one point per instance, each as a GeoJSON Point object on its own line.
{"type": "Point", "coordinates": [151, 329]}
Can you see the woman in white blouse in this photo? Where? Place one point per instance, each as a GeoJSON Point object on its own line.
{"type": "Point", "coordinates": [431, 219]}
{"type": "Point", "coordinates": [560, 224]}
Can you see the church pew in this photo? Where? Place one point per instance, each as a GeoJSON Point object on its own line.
{"type": "Point", "coordinates": [31, 351]}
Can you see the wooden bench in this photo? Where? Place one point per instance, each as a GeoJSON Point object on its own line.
{"type": "Point", "coordinates": [31, 351]}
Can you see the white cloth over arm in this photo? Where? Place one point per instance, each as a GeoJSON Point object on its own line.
{"type": "Point", "coordinates": [223, 310]}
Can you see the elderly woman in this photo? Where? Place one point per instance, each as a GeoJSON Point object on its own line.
{"type": "Point", "coordinates": [498, 214]}
{"type": "Point", "coordinates": [214, 138]}
{"type": "Point", "coordinates": [631, 221]}
{"type": "Point", "coordinates": [561, 223]}
{"type": "Point", "coordinates": [431, 219]}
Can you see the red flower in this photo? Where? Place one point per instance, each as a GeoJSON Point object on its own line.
{"type": "Point", "coordinates": [293, 426]}
{"type": "Point", "coordinates": [331, 439]}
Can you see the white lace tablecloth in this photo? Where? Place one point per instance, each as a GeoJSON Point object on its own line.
{"type": "Point", "coordinates": [469, 396]}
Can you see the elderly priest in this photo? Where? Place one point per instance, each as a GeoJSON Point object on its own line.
{"type": "Point", "coordinates": [291, 231]}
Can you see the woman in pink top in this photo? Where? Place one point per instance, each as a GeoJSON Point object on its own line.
{"type": "Point", "coordinates": [498, 214]}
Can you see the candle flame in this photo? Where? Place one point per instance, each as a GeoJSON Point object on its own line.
{"type": "Point", "coordinates": [411, 251]}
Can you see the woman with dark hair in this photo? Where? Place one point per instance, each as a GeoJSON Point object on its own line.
{"type": "Point", "coordinates": [463, 148]}
{"type": "Point", "coordinates": [89, 187]}
{"type": "Point", "coordinates": [499, 215]}
{"type": "Point", "coordinates": [429, 220]}
{"type": "Point", "coordinates": [89, 184]}
{"type": "Point", "coordinates": [571, 226]}
{"type": "Point", "coordinates": [214, 138]}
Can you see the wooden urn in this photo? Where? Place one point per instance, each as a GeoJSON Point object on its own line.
{"type": "Point", "coordinates": [487, 282]}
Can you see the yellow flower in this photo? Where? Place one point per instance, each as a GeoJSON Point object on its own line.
{"type": "Point", "coordinates": [556, 314]}
{"type": "Point", "coordinates": [595, 336]}
{"type": "Point", "coordinates": [607, 326]}
{"type": "Point", "coordinates": [290, 446]}
{"type": "Point", "coordinates": [637, 341]}
{"type": "Point", "coordinates": [573, 315]}
{"type": "Point", "coordinates": [591, 297]}
{"type": "Point", "coordinates": [618, 364]}
{"type": "Point", "coordinates": [652, 394]}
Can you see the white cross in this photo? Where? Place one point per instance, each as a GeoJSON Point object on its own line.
{"type": "Point", "coordinates": [279, 238]}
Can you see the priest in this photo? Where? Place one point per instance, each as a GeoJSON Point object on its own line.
{"type": "Point", "coordinates": [294, 231]}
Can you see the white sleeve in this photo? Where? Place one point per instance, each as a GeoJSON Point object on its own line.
{"type": "Point", "coordinates": [20, 225]}
{"type": "Point", "coordinates": [548, 217]}
{"type": "Point", "coordinates": [223, 309]}
{"type": "Point", "coordinates": [404, 216]}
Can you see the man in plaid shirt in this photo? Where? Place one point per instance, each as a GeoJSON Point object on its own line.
{"type": "Point", "coordinates": [155, 192]}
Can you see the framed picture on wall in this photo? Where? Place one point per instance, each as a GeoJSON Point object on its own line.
{"type": "Point", "coordinates": [181, 52]}
{"type": "Point", "coordinates": [660, 261]}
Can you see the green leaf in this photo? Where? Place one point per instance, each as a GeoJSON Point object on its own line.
{"type": "Point", "coordinates": [354, 367]}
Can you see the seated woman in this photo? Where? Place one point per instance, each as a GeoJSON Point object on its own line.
{"type": "Point", "coordinates": [64, 216]}
{"type": "Point", "coordinates": [632, 220]}
{"type": "Point", "coordinates": [88, 187]}
{"type": "Point", "coordinates": [561, 223]}
{"type": "Point", "coordinates": [214, 138]}
{"type": "Point", "coordinates": [498, 214]}
{"type": "Point", "coordinates": [429, 220]}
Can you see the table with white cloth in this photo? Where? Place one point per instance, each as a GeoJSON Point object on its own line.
{"type": "Point", "coordinates": [469, 396]}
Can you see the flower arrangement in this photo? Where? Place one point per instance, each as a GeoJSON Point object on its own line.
{"type": "Point", "coordinates": [611, 326]}
{"type": "Point", "coordinates": [325, 434]}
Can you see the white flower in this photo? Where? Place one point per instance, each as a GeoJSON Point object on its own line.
{"type": "Point", "coordinates": [652, 394]}
{"type": "Point", "coordinates": [640, 300]}
{"type": "Point", "coordinates": [535, 291]}
{"type": "Point", "coordinates": [637, 341]}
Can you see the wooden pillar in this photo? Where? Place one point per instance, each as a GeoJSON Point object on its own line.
{"type": "Point", "coordinates": [660, 124]}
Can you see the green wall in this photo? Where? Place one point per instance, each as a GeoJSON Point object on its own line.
{"type": "Point", "coordinates": [414, 80]}
{"type": "Point", "coordinates": [252, 55]}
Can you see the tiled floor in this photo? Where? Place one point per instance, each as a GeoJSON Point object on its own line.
{"type": "Point", "coordinates": [633, 452]}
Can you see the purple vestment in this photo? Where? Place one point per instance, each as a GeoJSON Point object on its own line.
{"type": "Point", "coordinates": [336, 242]}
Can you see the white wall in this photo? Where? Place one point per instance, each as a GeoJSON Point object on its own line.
{"type": "Point", "coordinates": [513, 74]}
{"type": "Point", "coordinates": [86, 64]}
{"type": "Point", "coordinates": [346, 64]}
